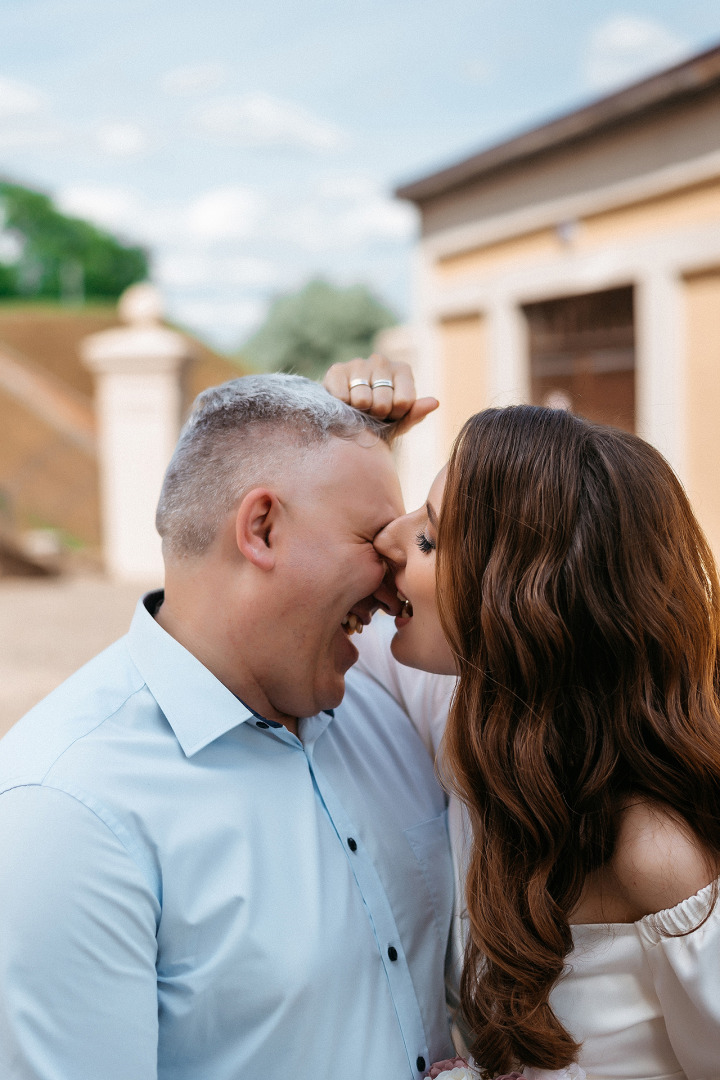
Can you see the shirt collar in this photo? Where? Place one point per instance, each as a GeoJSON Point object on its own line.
{"type": "Point", "coordinates": [198, 707]}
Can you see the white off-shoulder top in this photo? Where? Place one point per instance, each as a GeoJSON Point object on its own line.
{"type": "Point", "coordinates": [645, 1005]}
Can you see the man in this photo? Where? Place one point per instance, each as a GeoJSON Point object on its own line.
{"type": "Point", "coordinates": [205, 874]}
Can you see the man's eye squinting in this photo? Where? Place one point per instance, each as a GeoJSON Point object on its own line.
{"type": "Point", "coordinates": [424, 544]}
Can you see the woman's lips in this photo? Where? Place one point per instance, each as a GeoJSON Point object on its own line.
{"type": "Point", "coordinates": [406, 611]}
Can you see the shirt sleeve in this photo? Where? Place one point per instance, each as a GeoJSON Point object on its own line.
{"type": "Point", "coordinates": [423, 696]}
{"type": "Point", "coordinates": [78, 995]}
{"type": "Point", "coordinates": [686, 974]}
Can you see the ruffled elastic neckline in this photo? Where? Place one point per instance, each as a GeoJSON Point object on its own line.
{"type": "Point", "coordinates": [681, 919]}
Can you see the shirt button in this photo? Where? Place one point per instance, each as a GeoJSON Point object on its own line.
{"type": "Point", "coordinates": [352, 844]}
{"type": "Point", "coordinates": [392, 953]}
{"type": "Point", "coordinates": [261, 723]}
{"type": "Point", "coordinates": [420, 1064]}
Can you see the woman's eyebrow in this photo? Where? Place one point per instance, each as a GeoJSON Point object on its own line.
{"type": "Point", "coordinates": [432, 516]}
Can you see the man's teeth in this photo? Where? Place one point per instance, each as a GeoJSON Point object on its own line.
{"type": "Point", "coordinates": [352, 624]}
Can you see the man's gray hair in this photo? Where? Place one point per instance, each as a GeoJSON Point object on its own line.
{"type": "Point", "coordinates": [237, 436]}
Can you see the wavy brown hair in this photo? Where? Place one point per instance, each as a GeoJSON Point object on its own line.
{"type": "Point", "coordinates": [581, 598]}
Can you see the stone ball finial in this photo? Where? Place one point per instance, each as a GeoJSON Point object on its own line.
{"type": "Point", "coordinates": [141, 305]}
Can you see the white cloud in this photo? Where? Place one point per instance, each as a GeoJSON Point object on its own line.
{"type": "Point", "coordinates": [209, 285]}
{"type": "Point", "coordinates": [18, 99]}
{"type": "Point", "coordinates": [347, 210]}
{"type": "Point", "coordinates": [227, 213]}
{"type": "Point", "coordinates": [23, 138]}
{"type": "Point", "coordinates": [187, 270]}
{"type": "Point", "coordinates": [21, 122]}
{"type": "Point", "coordinates": [197, 240]}
{"type": "Point", "coordinates": [348, 186]}
{"type": "Point", "coordinates": [219, 215]}
{"type": "Point", "coordinates": [380, 218]}
{"type": "Point", "coordinates": [122, 139]}
{"type": "Point", "coordinates": [226, 322]}
{"type": "Point", "coordinates": [259, 120]}
{"type": "Point", "coordinates": [213, 280]}
{"type": "Point", "coordinates": [114, 208]}
{"type": "Point", "coordinates": [625, 48]}
{"type": "Point", "coordinates": [194, 79]}
{"type": "Point", "coordinates": [240, 312]}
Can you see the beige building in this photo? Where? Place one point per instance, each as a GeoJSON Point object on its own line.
{"type": "Point", "coordinates": [579, 265]}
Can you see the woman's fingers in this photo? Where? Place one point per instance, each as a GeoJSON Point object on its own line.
{"type": "Point", "coordinates": [384, 388]}
{"type": "Point", "coordinates": [403, 393]}
{"type": "Point", "coordinates": [351, 383]}
{"type": "Point", "coordinates": [418, 411]}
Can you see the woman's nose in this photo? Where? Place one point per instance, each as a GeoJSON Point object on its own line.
{"type": "Point", "coordinates": [389, 543]}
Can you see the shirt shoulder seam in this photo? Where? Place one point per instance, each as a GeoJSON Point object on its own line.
{"type": "Point", "coordinates": [103, 815]}
{"type": "Point", "coordinates": [84, 734]}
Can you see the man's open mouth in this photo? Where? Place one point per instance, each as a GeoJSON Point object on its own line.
{"type": "Point", "coordinates": [351, 624]}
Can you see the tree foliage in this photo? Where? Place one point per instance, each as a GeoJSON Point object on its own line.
{"type": "Point", "coordinates": [61, 257]}
{"type": "Point", "coordinates": [318, 326]}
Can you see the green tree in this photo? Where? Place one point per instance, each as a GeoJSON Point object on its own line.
{"type": "Point", "coordinates": [61, 257]}
{"type": "Point", "coordinates": [8, 285]}
{"type": "Point", "coordinates": [318, 326]}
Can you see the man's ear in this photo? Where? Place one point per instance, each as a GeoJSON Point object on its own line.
{"type": "Point", "coordinates": [255, 524]}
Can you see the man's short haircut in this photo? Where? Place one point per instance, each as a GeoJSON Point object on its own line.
{"type": "Point", "coordinates": [237, 436]}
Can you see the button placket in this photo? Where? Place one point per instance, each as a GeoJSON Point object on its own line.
{"type": "Point", "coordinates": [381, 914]}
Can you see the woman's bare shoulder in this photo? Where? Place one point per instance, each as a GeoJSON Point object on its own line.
{"type": "Point", "coordinates": [658, 862]}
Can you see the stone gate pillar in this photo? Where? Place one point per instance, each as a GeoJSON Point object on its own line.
{"type": "Point", "coordinates": [138, 371]}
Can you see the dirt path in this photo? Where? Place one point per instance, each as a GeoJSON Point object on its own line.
{"type": "Point", "coordinates": [50, 628]}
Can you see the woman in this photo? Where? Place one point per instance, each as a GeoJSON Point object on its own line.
{"type": "Point", "coordinates": [580, 602]}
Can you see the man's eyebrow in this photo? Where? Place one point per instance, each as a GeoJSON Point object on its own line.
{"type": "Point", "coordinates": [432, 516]}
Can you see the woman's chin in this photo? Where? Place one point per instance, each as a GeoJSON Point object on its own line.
{"type": "Point", "coordinates": [403, 651]}
{"type": "Point", "coordinates": [409, 653]}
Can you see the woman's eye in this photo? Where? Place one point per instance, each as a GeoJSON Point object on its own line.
{"type": "Point", "coordinates": [423, 543]}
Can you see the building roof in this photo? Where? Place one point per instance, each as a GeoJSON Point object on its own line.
{"type": "Point", "coordinates": [692, 78]}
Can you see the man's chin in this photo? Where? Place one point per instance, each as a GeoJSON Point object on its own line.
{"type": "Point", "coordinates": [333, 697]}
{"type": "Point", "coordinates": [331, 690]}
{"type": "Point", "coordinates": [346, 654]}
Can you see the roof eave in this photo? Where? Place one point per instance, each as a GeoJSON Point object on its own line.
{"type": "Point", "coordinates": [700, 73]}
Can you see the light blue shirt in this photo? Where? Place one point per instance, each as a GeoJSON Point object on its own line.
{"type": "Point", "coordinates": [189, 893]}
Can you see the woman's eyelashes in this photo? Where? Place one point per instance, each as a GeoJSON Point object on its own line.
{"type": "Point", "coordinates": [424, 544]}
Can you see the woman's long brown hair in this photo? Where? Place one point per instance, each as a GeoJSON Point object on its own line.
{"type": "Point", "coordinates": [581, 598]}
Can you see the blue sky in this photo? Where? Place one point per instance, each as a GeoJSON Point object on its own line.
{"type": "Point", "coordinates": [251, 146]}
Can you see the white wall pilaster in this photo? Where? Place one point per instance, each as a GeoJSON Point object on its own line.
{"type": "Point", "coordinates": [509, 374]}
{"type": "Point", "coordinates": [138, 372]}
{"type": "Point", "coordinates": [422, 453]}
{"type": "Point", "coordinates": [659, 364]}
